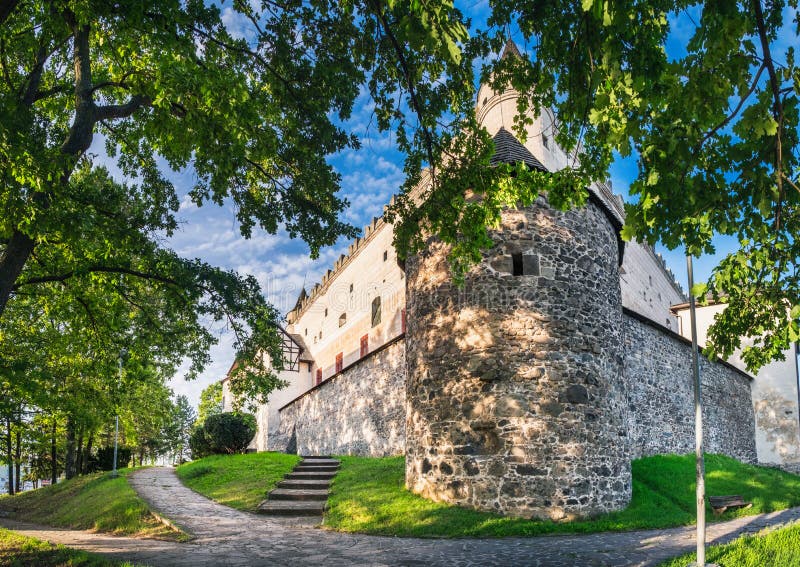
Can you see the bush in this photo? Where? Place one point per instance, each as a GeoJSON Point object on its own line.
{"type": "Point", "coordinates": [104, 460]}
{"type": "Point", "coordinates": [198, 443]}
{"type": "Point", "coordinates": [222, 434]}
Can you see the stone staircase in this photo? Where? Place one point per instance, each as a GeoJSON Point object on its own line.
{"type": "Point", "coordinates": [304, 491]}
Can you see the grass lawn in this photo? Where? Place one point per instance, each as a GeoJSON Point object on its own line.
{"type": "Point", "coordinates": [91, 502]}
{"type": "Point", "coordinates": [368, 496]}
{"type": "Point", "coordinates": [770, 548]}
{"type": "Point", "coordinates": [19, 551]}
{"type": "Point", "coordinates": [238, 481]}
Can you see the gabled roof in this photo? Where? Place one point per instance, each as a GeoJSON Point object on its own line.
{"type": "Point", "coordinates": [305, 356]}
{"type": "Point", "coordinates": [507, 149]}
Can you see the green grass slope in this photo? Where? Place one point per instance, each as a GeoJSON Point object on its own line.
{"type": "Point", "coordinates": [92, 502]}
{"type": "Point", "coordinates": [18, 551]}
{"type": "Point", "coordinates": [368, 496]}
{"type": "Point", "coordinates": [238, 481]}
{"type": "Point", "coordinates": [774, 548]}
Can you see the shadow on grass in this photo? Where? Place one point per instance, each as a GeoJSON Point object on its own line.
{"type": "Point", "coordinates": [368, 496]}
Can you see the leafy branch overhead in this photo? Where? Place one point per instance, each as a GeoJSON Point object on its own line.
{"type": "Point", "coordinates": [703, 95]}
{"type": "Point", "coordinates": [712, 119]}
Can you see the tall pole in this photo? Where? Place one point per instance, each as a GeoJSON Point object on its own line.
{"type": "Point", "coordinates": [698, 426]}
{"type": "Point", "coordinates": [116, 417]}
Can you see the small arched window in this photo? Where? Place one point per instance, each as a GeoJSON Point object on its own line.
{"type": "Point", "coordinates": [342, 319]}
{"type": "Point", "coordinates": [376, 311]}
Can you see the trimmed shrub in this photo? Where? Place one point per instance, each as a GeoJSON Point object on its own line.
{"type": "Point", "coordinates": [223, 434]}
{"type": "Point", "coordinates": [198, 444]}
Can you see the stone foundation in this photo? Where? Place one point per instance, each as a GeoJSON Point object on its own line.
{"type": "Point", "coordinates": [516, 402]}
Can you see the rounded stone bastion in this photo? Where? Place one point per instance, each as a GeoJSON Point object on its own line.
{"type": "Point", "coordinates": [515, 395]}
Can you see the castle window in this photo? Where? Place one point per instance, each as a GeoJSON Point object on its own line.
{"type": "Point", "coordinates": [650, 279]}
{"type": "Point", "coordinates": [342, 319]}
{"type": "Point", "coordinates": [516, 260]}
{"type": "Point", "coordinates": [485, 100]}
{"type": "Point", "coordinates": [385, 255]}
{"type": "Point", "coordinates": [364, 346]}
{"type": "Point", "coordinates": [326, 312]}
{"type": "Point", "coordinates": [351, 288]}
{"type": "Point", "coordinates": [223, 402]}
{"type": "Point", "coordinates": [319, 375]}
{"type": "Point", "coordinates": [305, 332]}
{"type": "Point", "coordinates": [545, 141]}
{"type": "Point", "coordinates": [320, 335]}
{"type": "Point", "coordinates": [339, 362]}
{"type": "Point", "coordinates": [376, 311]}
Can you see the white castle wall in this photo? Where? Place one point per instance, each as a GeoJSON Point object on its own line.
{"type": "Point", "coordinates": [646, 286]}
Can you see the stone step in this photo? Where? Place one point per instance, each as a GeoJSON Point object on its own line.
{"type": "Point", "coordinates": [298, 494]}
{"type": "Point", "coordinates": [331, 462]}
{"type": "Point", "coordinates": [305, 484]}
{"type": "Point", "coordinates": [316, 468]}
{"type": "Point", "coordinates": [292, 507]}
{"type": "Point", "coordinates": [311, 475]}
{"type": "Point", "coordinates": [327, 457]}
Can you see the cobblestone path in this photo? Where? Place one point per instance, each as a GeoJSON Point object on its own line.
{"type": "Point", "coordinates": [223, 536]}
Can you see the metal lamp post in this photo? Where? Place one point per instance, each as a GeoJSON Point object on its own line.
{"type": "Point", "coordinates": [700, 492]}
{"type": "Point", "coordinates": [122, 354]}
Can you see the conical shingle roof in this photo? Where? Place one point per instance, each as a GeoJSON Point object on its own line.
{"type": "Point", "coordinates": [507, 149]}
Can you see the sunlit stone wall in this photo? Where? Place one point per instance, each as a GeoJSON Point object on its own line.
{"type": "Point", "coordinates": [658, 370]}
{"type": "Point", "coordinates": [516, 401]}
{"type": "Point", "coordinates": [359, 411]}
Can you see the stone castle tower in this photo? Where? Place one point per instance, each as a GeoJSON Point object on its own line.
{"type": "Point", "coordinates": [516, 401]}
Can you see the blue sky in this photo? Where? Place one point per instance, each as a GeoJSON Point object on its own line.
{"type": "Point", "coordinates": [369, 177]}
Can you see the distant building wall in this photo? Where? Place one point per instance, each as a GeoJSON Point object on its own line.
{"type": "Point", "coordinates": [359, 411]}
{"type": "Point", "coordinates": [775, 394]}
{"type": "Point", "coordinates": [658, 370]}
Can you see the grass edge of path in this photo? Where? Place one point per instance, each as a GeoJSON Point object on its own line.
{"type": "Point", "coordinates": [96, 502]}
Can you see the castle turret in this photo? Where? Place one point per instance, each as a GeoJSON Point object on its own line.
{"type": "Point", "coordinates": [515, 395]}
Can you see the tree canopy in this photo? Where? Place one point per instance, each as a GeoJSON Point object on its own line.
{"type": "Point", "coordinates": [713, 125]}
{"type": "Point", "coordinates": [711, 119]}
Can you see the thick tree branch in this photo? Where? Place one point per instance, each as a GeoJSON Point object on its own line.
{"type": "Point", "coordinates": [80, 133]}
{"type": "Point", "coordinates": [116, 111]}
{"type": "Point", "coordinates": [99, 269]}
{"type": "Point", "coordinates": [777, 106]}
{"type": "Point", "coordinates": [409, 83]}
{"type": "Point", "coordinates": [6, 9]}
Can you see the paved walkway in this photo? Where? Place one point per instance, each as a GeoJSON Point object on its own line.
{"type": "Point", "coordinates": [224, 536]}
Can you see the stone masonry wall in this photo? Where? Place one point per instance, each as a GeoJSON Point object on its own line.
{"type": "Point", "coordinates": [516, 402]}
{"type": "Point", "coordinates": [360, 411]}
{"type": "Point", "coordinates": [658, 370]}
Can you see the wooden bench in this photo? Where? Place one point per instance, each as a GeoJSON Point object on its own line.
{"type": "Point", "coordinates": [719, 504]}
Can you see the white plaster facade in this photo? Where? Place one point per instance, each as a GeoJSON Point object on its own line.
{"type": "Point", "coordinates": [357, 308]}
{"type": "Point", "coordinates": [774, 391]}
{"type": "Point", "coordinates": [648, 286]}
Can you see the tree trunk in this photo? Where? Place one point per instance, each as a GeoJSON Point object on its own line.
{"type": "Point", "coordinates": [53, 454]}
{"type": "Point", "coordinates": [18, 457]}
{"type": "Point", "coordinates": [9, 457]}
{"type": "Point", "coordinates": [12, 260]}
{"type": "Point", "coordinates": [69, 465]}
{"type": "Point", "coordinates": [88, 453]}
{"type": "Point", "coordinates": [79, 455]}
